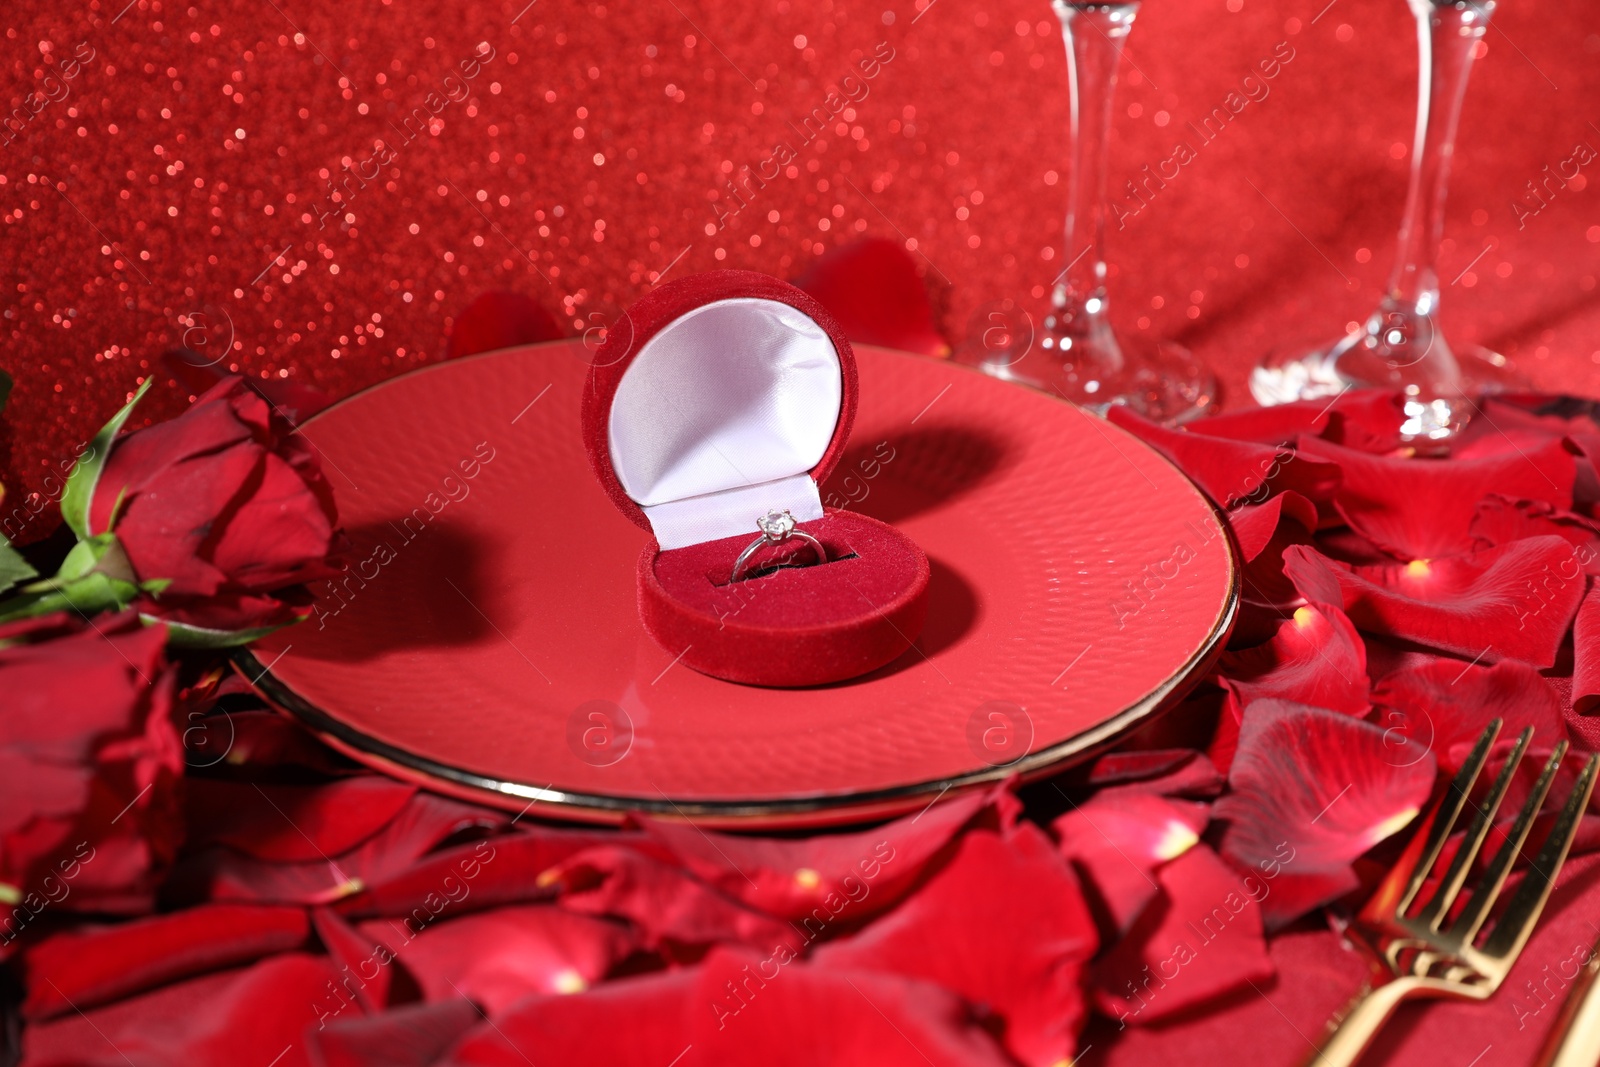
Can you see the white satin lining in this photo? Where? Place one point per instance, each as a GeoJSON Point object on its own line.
{"type": "Point", "coordinates": [721, 417]}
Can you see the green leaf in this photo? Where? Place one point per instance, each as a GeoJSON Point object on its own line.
{"type": "Point", "coordinates": [85, 476]}
{"type": "Point", "coordinates": [93, 593]}
{"type": "Point", "coordinates": [187, 636]}
{"type": "Point", "coordinates": [13, 568]}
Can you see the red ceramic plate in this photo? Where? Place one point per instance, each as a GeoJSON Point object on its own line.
{"type": "Point", "coordinates": [486, 641]}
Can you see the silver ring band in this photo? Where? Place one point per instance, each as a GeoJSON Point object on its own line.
{"type": "Point", "coordinates": [776, 528]}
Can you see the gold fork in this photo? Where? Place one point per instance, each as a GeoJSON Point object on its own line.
{"type": "Point", "coordinates": [1429, 952]}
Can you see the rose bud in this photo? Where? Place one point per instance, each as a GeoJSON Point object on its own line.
{"type": "Point", "coordinates": [223, 512]}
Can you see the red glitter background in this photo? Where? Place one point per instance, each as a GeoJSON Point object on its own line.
{"type": "Point", "coordinates": [172, 184]}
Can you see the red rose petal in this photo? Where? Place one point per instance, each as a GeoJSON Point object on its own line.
{"type": "Point", "coordinates": [363, 962]}
{"type": "Point", "coordinates": [790, 878]}
{"type": "Point", "coordinates": [257, 737]}
{"type": "Point", "coordinates": [1503, 428]}
{"type": "Point", "coordinates": [630, 1022]}
{"type": "Point", "coordinates": [1175, 772]}
{"type": "Point", "coordinates": [83, 969]}
{"type": "Point", "coordinates": [962, 929]}
{"type": "Point", "coordinates": [234, 1017]}
{"type": "Point", "coordinates": [873, 288]}
{"type": "Point", "coordinates": [89, 765]}
{"type": "Point", "coordinates": [273, 537]}
{"type": "Point", "coordinates": [1312, 789]}
{"type": "Point", "coordinates": [724, 1013]}
{"type": "Point", "coordinates": [1368, 419]}
{"type": "Point", "coordinates": [425, 822]}
{"type": "Point", "coordinates": [1586, 653]}
{"type": "Point", "coordinates": [1316, 657]}
{"type": "Point", "coordinates": [1233, 472]}
{"type": "Point", "coordinates": [763, 1012]}
{"type": "Point", "coordinates": [1200, 940]}
{"type": "Point", "coordinates": [1512, 602]}
{"type": "Point", "coordinates": [411, 1036]}
{"type": "Point", "coordinates": [211, 424]}
{"type": "Point", "coordinates": [1586, 487]}
{"type": "Point", "coordinates": [1500, 520]}
{"type": "Point", "coordinates": [500, 320]}
{"type": "Point", "coordinates": [1423, 509]}
{"type": "Point", "coordinates": [1116, 842]}
{"type": "Point", "coordinates": [1277, 425]}
{"type": "Point", "coordinates": [500, 870]}
{"type": "Point", "coordinates": [496, 958]}
{"type": "Point", "coordinates": [292, 823]}
{"type": "Point", "coordinates": [1255, 524]}
{"type": "Point", "coordinates": [670, 907]}
{"type": "Point", "coordinates": [1442, 705]}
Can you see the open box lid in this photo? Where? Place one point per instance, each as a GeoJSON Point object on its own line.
{"type": "Point", "coordinates": [715, 399]}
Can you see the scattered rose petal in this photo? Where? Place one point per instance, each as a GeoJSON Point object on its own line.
{"type": "Point", "coordinates": [1200, 939]}
{"type": "Point", "coordinates": [1234, 472]}
{"type": "Point", "coordinates": [1586, 653]}
{"type": "Point", "coordinates": [1116, 843]}
{"type": "Point", "coordinates": [84, 968]}
{"type": "Point", "coordinates": [569, 1031]}
{"type": "Point", "coordinates": [1511, 602]}
{"type": "Point", "coordinates": [426, 821]}
{"type": "Point", "coordinates": [1255, 524]}
{"type": "Point", "coordinates": [1423, 509]}
{"type": "Point", "coordinates": [874, 289]}
{"type": "Point", "coordinates": [1368, 419]}
{"type": "Point", "coordinates": [1312, 789]}
{"type": "Point", "coordinates": [414, 1035]}
{"type": "Point", "coordinates": [1316, 657]}
{"type": "Point", "coordinates": [793, 878]}
{"type": "Point", "coordinates": [960, 929]}
{"type": "Point", "coordinates": [670, 907]}
{"type": "Point", "coordinates": [495, 958]}
{"type": "Point", "coordinates": [291, 823]}
{"type": "Point", "coordinates": [502, 870]}
{"type": "Point", "coordinates": [1442, 705]}
{"type": "Point", "coordinates": [1500, 520]}
{"type": "Point", "coordinates": [363, 963]}
{"type": "Point", "coordinates": [243, 1016]}
{"type": "Point", "coordinates": [1173, 772]}
{"type": "Point", "coordinates": [500, 320]}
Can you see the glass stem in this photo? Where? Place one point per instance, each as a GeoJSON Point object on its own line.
{"type": "Point", "coordinates": [1448, 32]}
{"type": "Point", "coordinates": [1094, 34]}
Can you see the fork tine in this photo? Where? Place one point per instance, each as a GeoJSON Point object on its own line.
{"type": "Point", "coordinates": [1445, 816]}
{"type": "Point", "coordinates": [1487, 889]}
{"type": "Point", "coordinates": [1514, 926]}
{"type": "Point", "coordinates": [1437, 908]}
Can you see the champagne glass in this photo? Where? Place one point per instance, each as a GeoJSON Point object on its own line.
{"type": "Point", "coordinates": [1400, 346]}
{"type": "Point", "coordinates": [1079, 355]}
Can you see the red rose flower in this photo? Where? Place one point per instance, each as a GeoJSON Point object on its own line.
{"type": "Point", "coordinates": [89, 758]}
{"type": "Point", "coordinates": [225, 504]}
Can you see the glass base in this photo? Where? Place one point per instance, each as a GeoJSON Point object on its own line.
{"type": "Point", "coordinates": [1161, 380]}
{"type": "Point", "coordinates": [1435, 410]}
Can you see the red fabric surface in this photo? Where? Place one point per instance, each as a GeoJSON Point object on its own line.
{"type": "Point", "coordinates": [1281, 229]}
{"type": "Point", "coordinates": [804, 625]}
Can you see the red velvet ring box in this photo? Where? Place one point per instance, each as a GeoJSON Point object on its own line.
{"type": "Point", "coordinates": [714, 400]}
